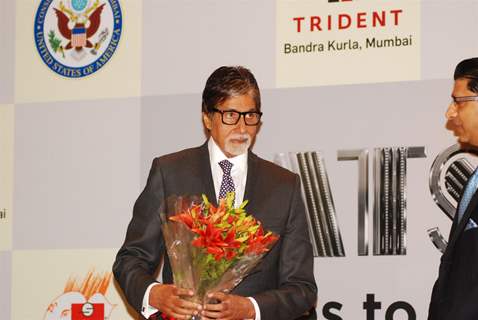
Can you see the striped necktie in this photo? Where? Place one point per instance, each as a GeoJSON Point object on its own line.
{"type": "Point", "coordinates": [470, 190]}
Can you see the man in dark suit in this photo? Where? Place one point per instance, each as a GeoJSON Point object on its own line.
{"type": "Point", "coordinates": [455, 293]}
{"type": "Point", "coordinates": [282, 286]}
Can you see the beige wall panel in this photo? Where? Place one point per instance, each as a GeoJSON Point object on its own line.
{"type": "Point", "coordinates": [119, 77]}
{"type": "Point", "coordinates": [7, 54]}
{"type": "Point", "coordinates": [6, 175]}
{"type": "Point", "coordinates": [41, 278]}
{"type": "Point", "coordinates": [5, 280]}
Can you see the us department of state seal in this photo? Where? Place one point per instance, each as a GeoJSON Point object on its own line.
{"type": "Point", "coordinates": [76, 38]}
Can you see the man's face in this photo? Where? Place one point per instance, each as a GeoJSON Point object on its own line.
{"type": "Point", "coordinates": [463, 116]}
{"type": "Point", "coordinates": [232, 139]}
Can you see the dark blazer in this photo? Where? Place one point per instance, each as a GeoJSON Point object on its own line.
{"type": "Point", "coordinates": [455, 293]}
{"type": "Point", "coordinates": [282, 284]}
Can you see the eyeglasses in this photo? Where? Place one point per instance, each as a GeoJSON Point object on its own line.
{"type": "Point", "coordinates": [464, 99]}
{"type": "Point", "coordinates": [232, 117]}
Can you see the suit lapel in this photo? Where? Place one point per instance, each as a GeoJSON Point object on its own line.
{"type": "Point", "coordinates": [251, 194]}
{"type": "Point", "coordinates": [463, 222]}
{"type": "Point", "coordinates": [205, 169]}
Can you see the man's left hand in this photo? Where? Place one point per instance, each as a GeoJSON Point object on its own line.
{"type": "Point", "coordinates": [229, 307]}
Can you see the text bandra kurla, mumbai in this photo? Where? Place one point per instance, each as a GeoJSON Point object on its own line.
{"type": "Point", "coordinates": [334, 45]}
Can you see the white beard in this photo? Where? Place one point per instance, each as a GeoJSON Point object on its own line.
{"type": "Point", "coordinates": [237, 148]}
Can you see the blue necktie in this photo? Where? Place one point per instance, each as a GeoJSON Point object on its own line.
{"type": "Point", "coordinates": [470, 190]}
{"type": "Point", "coordinates": [227, 185]}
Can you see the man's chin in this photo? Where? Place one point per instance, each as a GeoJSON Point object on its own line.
{"type": "Point", "coordinates": [468, 144]}
{"type": "Point", "coordinates": [236, 149]}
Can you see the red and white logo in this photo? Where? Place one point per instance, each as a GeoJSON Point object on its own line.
{"type": "Point", "coordinates": [87, 311]}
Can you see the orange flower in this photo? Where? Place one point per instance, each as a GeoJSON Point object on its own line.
{"type": "Point", "coordinates": [223, 231]}
{"type": "Point", "coordinates": [186, 218]}
{"type": "Point", "coordinates": [258, 243]}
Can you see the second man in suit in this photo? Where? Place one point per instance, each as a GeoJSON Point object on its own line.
{"type": "Point", "coordinates": [455, 294]}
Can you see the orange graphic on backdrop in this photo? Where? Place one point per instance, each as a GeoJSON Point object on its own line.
{"type": "Point", "coordinates": [93, 283]}
{"type": "Point", "coordinates": [89, 291]}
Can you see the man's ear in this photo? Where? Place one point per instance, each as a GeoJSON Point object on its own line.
{"type": "Point", "coordinates": [207, 121]}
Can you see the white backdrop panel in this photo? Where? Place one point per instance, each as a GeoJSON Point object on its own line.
{"type": "Point", "coordinates": [76, 173]}
{"type": "Point", "coordinates": [184, 40]}
{"type": "Point", "coordinates": [447, 36]}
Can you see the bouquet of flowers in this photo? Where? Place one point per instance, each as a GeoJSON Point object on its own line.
{"type": "Point", "coordinates": [212, 248]}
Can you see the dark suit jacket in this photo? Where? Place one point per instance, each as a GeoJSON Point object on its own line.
{"type": "Point", "coordinates": [282, 284]}
{"type": "Point", "coordinates": [455, 293]}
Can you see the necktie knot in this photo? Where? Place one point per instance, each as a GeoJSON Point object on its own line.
{"type": "Point", "coordinates": [226, 166]}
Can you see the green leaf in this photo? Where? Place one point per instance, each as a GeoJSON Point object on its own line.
{"type": "Point", "coordinates": [243, 204]}
{"type": "Point", "coordinates": [54, 41]}
{"type": "Point", "coordinates": [205, 200]}
{"type": "Point", "coordinates": [230, 200]}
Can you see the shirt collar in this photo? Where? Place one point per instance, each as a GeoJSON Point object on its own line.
{"type": "Point", "coordinates": [216, 155]}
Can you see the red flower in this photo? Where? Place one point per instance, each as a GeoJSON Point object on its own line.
{"type": "Point", "coordinates": [186, 218]}
{"type": "Point", "coordinates": [230, 254]}
{"type": "Point", "coordinates": [225, 232]}
{"type": "Point", "coordinates": [258, 243]}
{"type": "Point", "coordinates": [230, 239]}
{"type": "Point", "coordinates": [210, 239]}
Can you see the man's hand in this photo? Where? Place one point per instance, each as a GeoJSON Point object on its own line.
{"type": "Point", "coordinates": [230, 307]}
{"type": "Point", "coordinates": [169, 299]}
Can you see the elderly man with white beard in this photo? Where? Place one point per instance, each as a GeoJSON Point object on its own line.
{"type": "Point", "coordinates": [282, 286]}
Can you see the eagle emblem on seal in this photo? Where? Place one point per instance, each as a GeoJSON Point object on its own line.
{"type": "Point", "coordinates": [77, 24]}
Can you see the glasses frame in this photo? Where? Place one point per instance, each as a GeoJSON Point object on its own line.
{"type": "Point", "coordinates": [464, 99]}
{"type": "Point", "coordinates": [241, 114]}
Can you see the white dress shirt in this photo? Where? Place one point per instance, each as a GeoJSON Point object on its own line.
{"type": "Point", "coordinates": [239, 176]}
{"type": "Point", "coordinates": [238, 171]}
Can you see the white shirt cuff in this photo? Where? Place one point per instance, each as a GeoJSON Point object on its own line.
{"type": "Point", "coordinates": [256, 308]}
{"type": "Point", "coordinates": [147, 310]}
